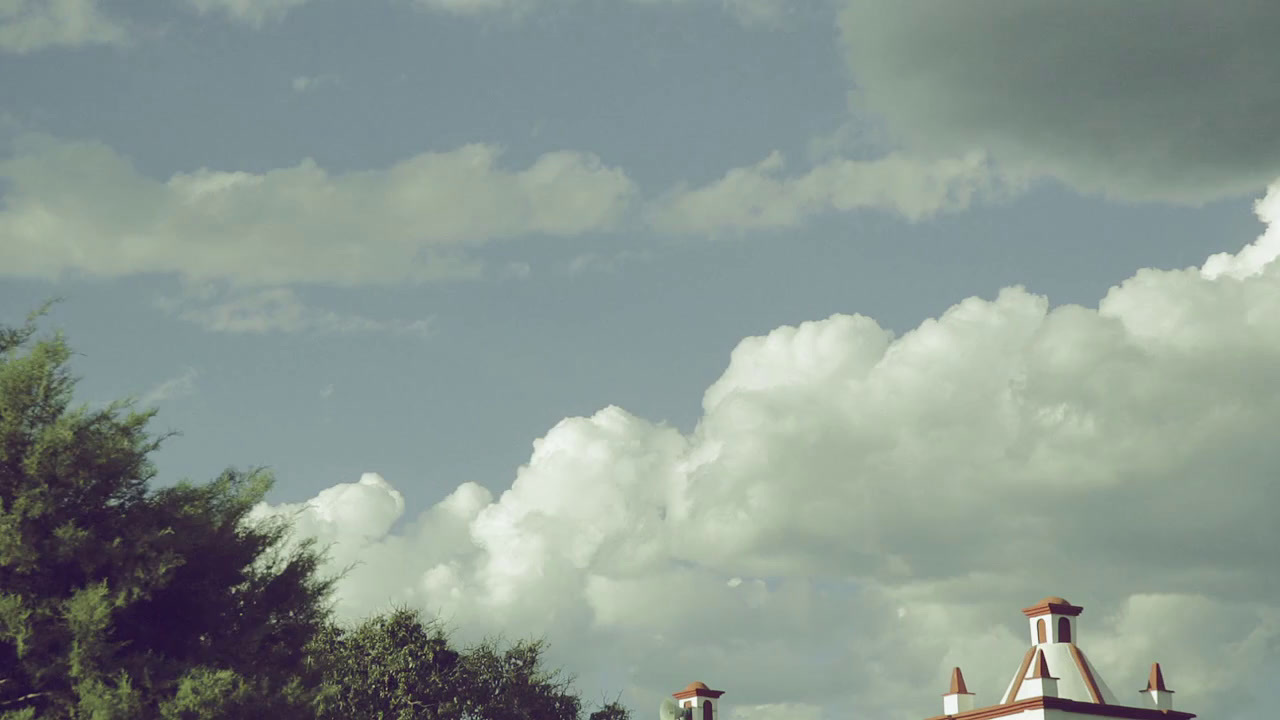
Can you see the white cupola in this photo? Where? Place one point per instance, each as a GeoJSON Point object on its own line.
{"type": "Point", "coordinates": [1157, 696]}
{"type": "Point", "coordinates": [1052, 620]}
{"type": "Point", "coordinates": [701, 699]}
{"type": "Point", "coordinates": [958, 699]}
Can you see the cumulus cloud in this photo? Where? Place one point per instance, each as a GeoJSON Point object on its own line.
{"type": "Point", "coordinates": [30, 25]}
{"type": "Point", "coordinates": [1175, 101]}
{"type": "Point", "coordinates": [759, 196]}
{"type": "Point", "coordinates": [79, 207]}
{"type": "Point", "coordinates": [254, 13]}
{"type": "Point", "coordinates": [272, 310]}
{"type": "Point", "coordinates": [857, 512]}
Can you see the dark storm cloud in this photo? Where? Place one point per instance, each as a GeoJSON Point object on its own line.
{"type": "Point", "coordinates": [1176, 100]}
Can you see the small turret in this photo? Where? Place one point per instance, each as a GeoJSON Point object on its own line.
{"type": "Point", "coordinates": [1157, 696]}
{"type": "Point", "coordinates": [957, 699]}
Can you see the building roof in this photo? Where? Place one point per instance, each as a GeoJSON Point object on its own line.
{"type": "Point", "coordinates": [1071, 706]}
{"type": "Point", "coordinates": [1077, 678]}
{"type": "Point", "coordinates": [1080, 690]}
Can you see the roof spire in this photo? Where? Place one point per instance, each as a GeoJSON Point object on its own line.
{"type": "Point", "coordinates": [957, 683]}
{"type": "Point", "coordinates": [1040, 667]}
{"type": "Point", "coordinates": [1156, 680]}
{"type": "Point", "coordinates": [1157, 695]}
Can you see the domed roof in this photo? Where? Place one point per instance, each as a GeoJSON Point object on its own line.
{"type": "Point", "coordinates": [1055, 600]}
{"type": "Point", "coordinates": [698, 689]}
{"type": "Point", "coordinates": [696, 686]}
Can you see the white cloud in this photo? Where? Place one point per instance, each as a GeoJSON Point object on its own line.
{"type": "Point", "coordinates": [254, 13]}
{"type": "Point", "coordinates": [751, 13]}
{"type": "Point", "coordinates": [855, 513]}
{"type": "Point", "coordinates": [79, 207]}
{"type": "Point", "coordinates": [175, 387]}
{"type": "Point", "coordinates": [477, 7]}
{"type": "Point", "coordinates": [604, 262]}
{"type": "Point", "coordinates": [271, 310]}
{"type": "Point", "coordinates": [1255, 257]}
{"type": "Point", "coordinates": [30, 25]}
{"type": "Point", "coordinates": [760, 197]}
{"type": "Point", "coordinates": [776, 711]}
{"type": "Point", "coordinates": [258, 13]}
{"type": "Point", "coordinates": [308, 83]}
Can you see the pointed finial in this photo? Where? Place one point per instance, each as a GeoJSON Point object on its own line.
{"type": "Point", "coordinates": [1041, 667]}
{"type": "Point", "coordinates": [1156, 680]}
{"type": "Point", "coordinates": [957, 683]}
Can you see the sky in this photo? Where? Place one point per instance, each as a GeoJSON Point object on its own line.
{"type": "Point", "coordinates": [788, 347]}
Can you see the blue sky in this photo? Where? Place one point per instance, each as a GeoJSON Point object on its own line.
{"type": "Point", "coordinates": [537, 307]}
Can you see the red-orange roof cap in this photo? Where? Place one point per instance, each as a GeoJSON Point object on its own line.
{"type": "Point", "coordinates": [957, 683]}
{"type": "Point", "coordinates": [1156, 680]}
{"type": "Point", "coordinates": [697, 689]}
{"type": "Point", "coordinates": [1053, 604]}
{"type": "Point", "coordinates": [1040, 668]}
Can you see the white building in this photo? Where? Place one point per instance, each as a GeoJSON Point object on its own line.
{"type": "Point", "coordinates": [1057, 682]}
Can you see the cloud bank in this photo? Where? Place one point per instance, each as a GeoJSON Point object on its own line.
{"type": "Point", "coordinates": [80, 207]}
{"type": "Point", "coordinates": [31, 25]}
{"type": "Point", "coordinates": [254, 13]}
{"type": "Point", "coordinates": [751, 13]}
{"type": "Point", "coordinates": [272, 310]}
{"type": "Point", "coordinates": [1173, 101]}
{"type": "Point", "coordinates": [855, 512]}
{"type": "Point", "coordinates": [759, 197]}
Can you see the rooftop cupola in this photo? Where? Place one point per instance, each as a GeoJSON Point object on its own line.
{"type": "Point", "coordinates": [1053, 620]}
{"type": "Point", "coordinates": [1067, 674]}
{"type": "Point", "coordinates": [1157, 696]}
{"type": "Point", "coordinates": [701, 699]}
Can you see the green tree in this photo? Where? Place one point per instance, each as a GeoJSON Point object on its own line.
{"type": "Point", "coordinates": [117, 601]}
{"type": "Point", "coordinates": [511, 684]}
{"type": "Point", "coordinates": [390, 667]}
{"type": "Point", "coordinates": [398, 667]}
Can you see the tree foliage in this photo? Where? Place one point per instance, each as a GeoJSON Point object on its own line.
{"type": "Point", "coordinates": [117, 601]}
{"type": "Point", "coordinates": [390, 667]}
{"type": "Point", "coordinates": [395, 666]}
